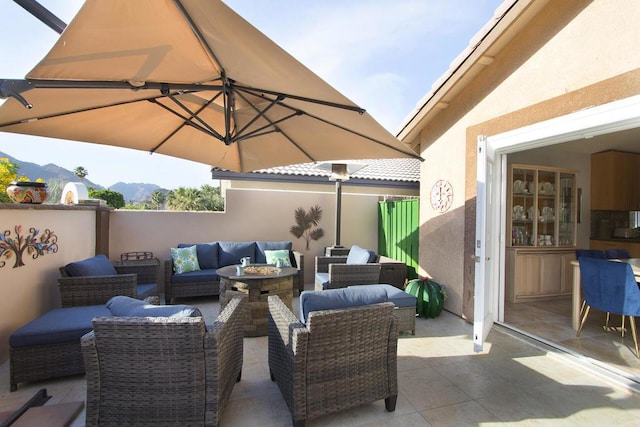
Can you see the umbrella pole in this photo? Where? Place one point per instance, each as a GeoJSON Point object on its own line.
{"type": "Point", "coordinates": [336, 240]}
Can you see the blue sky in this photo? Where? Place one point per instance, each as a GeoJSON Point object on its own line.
{"type": "Point", "coordinates": [382, 54]}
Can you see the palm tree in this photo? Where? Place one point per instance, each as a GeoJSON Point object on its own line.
{"type": "Point", "coordinates": [184, 199]}
{"type": "Point", "coordinates": [158, 198]}
{"type": "Point", "coordinates": [80, 172]}
{"type": "Point", "coordinates": [305, 223]}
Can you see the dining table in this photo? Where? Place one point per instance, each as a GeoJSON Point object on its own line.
{"type": "Point", "coordinates": [576, 302]}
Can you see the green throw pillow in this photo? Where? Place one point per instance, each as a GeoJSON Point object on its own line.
{"type": "Point", "coordinates": [282, 254]}
{"type": "Point", "coordinates": [185, 259]}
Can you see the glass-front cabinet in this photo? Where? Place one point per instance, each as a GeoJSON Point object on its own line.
{"type": "Point", "coordinates": [541, 207]}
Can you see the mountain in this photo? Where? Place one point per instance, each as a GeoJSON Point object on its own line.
{"type": "Point", "coordinates": [135, 192]}
{"type": "Point", "coordinates": [132, 192]}
{"type": "Point", "coordinates": [47, 172]}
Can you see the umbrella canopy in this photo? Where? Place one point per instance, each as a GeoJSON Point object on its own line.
{"type": "Point", "coordinates": [189, 79]}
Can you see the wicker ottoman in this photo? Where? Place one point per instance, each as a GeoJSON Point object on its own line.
{"type": "Point", "coordinates": [405, 306]}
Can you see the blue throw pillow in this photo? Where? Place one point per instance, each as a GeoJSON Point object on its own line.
{"type": "Point", "coordinates": [358, 255]}
{"type": "Point", "coordinates": [98, 265]}
{"type": "Point", "coordinates": [231, 252]}
{"type": "Point", "coordinates": [207, 254]}
{"type": "Point", "coordinates": [122, 306]}
{"type": "Point", "coordinates": [332, 299]}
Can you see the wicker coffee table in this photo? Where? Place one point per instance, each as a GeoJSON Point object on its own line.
{"type": "Point", "coordinates": [257, 282]}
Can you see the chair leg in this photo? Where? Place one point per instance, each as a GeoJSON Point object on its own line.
{"type": "Point", "coordinates": [390, 403]}
{"type": "Point", "coordinates": [632, 320]}
{"type": "Point", "coordinates": [606, 324]}
{"type": "Point", "coordinates": [623, 316]}
{"type": "Point", "coordinates": [584, 319]}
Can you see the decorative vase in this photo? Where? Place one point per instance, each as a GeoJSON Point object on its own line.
{"type": "Point", "coordinates": [430, 296]}
{"type": "Point", "coordinates": [27, 192]}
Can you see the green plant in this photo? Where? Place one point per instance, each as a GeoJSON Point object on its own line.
{"type": "Point", "coordinates": [113, 198]}
{"type": "Point", "coordinates": [431, 296]}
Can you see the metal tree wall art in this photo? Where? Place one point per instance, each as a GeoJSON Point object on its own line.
{"type": "Point", "coordinates": [307, 224]}
{"type": "Point", "coordinates": [34, 244]}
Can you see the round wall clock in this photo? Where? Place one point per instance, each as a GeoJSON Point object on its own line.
{"type": "Point", "coordinates": [441, 195]}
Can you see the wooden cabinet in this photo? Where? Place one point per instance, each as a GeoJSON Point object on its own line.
{"type": "Point", "coordinates": [536, 273]}
{"type": "Point", "coordinates": [614, 181]}
{"type": "Point", "coordinates": [632, 247]}
{"type": "Point", "coordinates": [541, 207]}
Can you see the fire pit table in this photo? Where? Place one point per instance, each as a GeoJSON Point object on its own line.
{"type": "Point", "coordinates": [256, 282]}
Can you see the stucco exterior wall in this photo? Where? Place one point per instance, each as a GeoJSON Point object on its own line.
{"type": "Point", "coordinates": [567, 57]}
{"type": "Point", "coordinates": [30, 290]}
{"type": "Point", "coordinates": [250, 214]}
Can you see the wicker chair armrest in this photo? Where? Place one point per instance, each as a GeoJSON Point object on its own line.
{"type": "Point", "coordinates": [224, 347]}
{"type": "Point", "coordinates": [95, 290]}
{"type": "Point", "coordinates": [288, 339]}
{"type": "Point", "coordinates": [392, 356]}
{"type": "Point", "coordinates": [147, 273]}
{"type": "Point", "coordinates": [299, 279]}
{"type": "Point", "coordinates": [322, 262]}
{"type": "Point", "coordinates": [90, 357]}
{"type": "Point", "coordinates": [343, 275]}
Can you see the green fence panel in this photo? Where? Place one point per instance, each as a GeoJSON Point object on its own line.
{"type": "Point", "coordinates": [398, 223]}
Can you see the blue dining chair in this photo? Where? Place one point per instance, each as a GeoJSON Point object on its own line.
{"type": "Point", "coordinates": [617, 253]}
{"type": "Point", "coordinates": [591, 253]}
{"type": "Point", "coordinates": [610, 286]}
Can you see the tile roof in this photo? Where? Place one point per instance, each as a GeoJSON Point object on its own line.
{"type": "Point", "coordinates": [399, 170]}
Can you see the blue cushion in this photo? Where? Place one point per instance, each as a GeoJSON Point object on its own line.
{"type": "Point", "coordinates": [131, 307]}
{"type": "Point", "coordinates": [231, 252]}
{"type": "Point", "coordinates": [261, 257]}
{"type": "Point", "coordinates": [146, 290]}
{"type": "Point", "coordinates": [195, 276]}
{"type": "Point", "coordinates": [397, 296]}
{"type": "Point", "coordinates": [323, 278]}
{"type": "Point", "coordinates": [358, 255]}
{"type": "Point", "coordinates": [332, 299]}
{"type": "Point", "coordinates": [58, 325]}
{"type": "Point", "coordinates": [207, 254]}
{"type": "Point", "coordinates": [98, 265]}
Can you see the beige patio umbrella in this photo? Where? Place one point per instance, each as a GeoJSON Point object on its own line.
{"type": "Point", "coordinates": [189, 79]}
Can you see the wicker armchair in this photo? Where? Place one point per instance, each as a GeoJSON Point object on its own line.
{"type": "Point", "coordinates": [341, 274]}
{"type": "Point", "coordinates": [342, 358]}
{"type": "Point", "coordinates": [162, 371]}
{"type": "Point", "coordinates": [136, 281]}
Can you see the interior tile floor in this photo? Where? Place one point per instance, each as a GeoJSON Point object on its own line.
{"type": "Point", "coordinates": [442, 382]}
{"type": "Point", "coordinates": [551, 320]}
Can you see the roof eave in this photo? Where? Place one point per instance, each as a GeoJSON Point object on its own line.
{"type": "Point", "coordinates": [508, 19]}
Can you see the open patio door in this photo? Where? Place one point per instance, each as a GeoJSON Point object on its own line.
{"type": "Point", "coordinates": [486, 255]}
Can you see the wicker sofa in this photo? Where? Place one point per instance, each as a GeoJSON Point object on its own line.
{"type": "Point", "coordinates": [213, 255]}
{"type": "Point", "coordinates": [186, 383]}
{"type": "Point", "coordinates": [342, 357]}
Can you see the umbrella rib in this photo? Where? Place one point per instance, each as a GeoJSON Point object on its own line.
{"type": "Point", "coordinates": [299, 112]}
{"type": "Point", "coordinates": [188, 121]}
{"type": "Point", "coordinates": [261, 113]}
{"type": "Point", "coordinates": [198, 34]}
{"type": "Point", "coordinates": [258, 91]}
{"type": "Point", "coordinates": [362, 135]}
{"type": "Point", "coordinates": [195, 115]}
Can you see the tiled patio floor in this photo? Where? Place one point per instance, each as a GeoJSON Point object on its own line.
{"type": "Point", "coordinates": [442, 382]}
